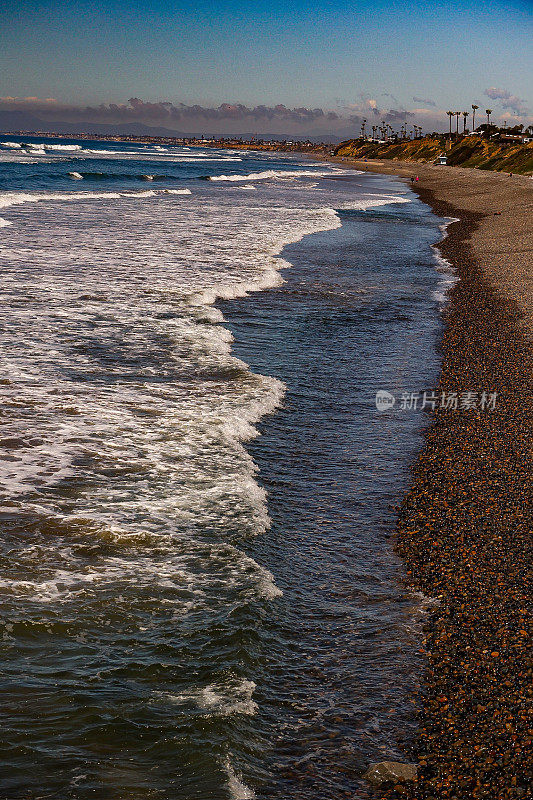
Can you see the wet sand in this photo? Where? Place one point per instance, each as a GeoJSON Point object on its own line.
{"type": "Point", "coordinates": [464, 528]}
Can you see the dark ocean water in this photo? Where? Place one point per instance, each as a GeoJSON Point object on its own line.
{"type": "Point", "coordinates": [200, 596]}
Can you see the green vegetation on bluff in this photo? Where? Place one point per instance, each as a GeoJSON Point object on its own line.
{"type": "Point", "coordinates": [469, 151]}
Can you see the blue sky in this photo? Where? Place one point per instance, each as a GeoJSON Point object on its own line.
{"type": "Point", "coordinates": [343, 56]}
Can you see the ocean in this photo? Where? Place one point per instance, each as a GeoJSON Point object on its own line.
{"type": "Point", "coordinates": [199, 591]}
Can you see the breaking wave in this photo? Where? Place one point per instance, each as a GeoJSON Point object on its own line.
{"type": "Point", "coordinates": [271, 174]}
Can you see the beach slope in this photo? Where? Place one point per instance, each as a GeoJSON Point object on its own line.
{"type": "Point", "coordinates": [464, 528]}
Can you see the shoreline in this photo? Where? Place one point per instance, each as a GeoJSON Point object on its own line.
{"type": "Point", "coordinates": [464, 525]}
{"type": "Point", "coordinates": [502, 240]}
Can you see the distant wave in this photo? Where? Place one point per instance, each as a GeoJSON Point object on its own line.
{"type": "Point", "coordinates": [8, 199]}
{"type": "Point", "coordinates": [272, 174]}
{"type": "Point", "coordinates": [75, 150]}
{"type": "Point", "coordinates": [37, 148]}
{"type": "Point", "coordinates": [372, 201]}
{"type": "Point", "coordinates": [42, 146]}
{"type": "Point", "coordinates": [101, 175]}
{"type": "Point", "coordinates": [121, 176]}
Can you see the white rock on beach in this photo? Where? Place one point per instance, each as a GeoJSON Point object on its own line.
{"type": "Point", "coordinates": [390, 772]}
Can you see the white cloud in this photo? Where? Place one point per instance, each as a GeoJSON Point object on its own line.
{"type": "Point", "coordinates": [508, 100]}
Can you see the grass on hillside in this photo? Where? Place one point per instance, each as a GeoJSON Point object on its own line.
{"type": "Point", "coordinates": [467, 152]}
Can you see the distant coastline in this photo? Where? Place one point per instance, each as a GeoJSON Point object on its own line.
{"type": "Point", "coordinates": [468, 151]}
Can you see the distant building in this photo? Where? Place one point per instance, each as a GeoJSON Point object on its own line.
{"type": "Point", "coordinates": [442, 159]}
{"type": "Point", "coordinates": [514, 137]}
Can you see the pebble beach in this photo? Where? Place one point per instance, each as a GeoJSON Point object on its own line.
{"type": "Point", "coordinates": [464, 529]}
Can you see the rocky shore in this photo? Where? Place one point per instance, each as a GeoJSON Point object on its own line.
{"type": "Point", "coordinates": [464, 528]}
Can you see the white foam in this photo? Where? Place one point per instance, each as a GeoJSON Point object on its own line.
{"type": "Point", "coordinates": [103, 152]}
{"type": "Point", "coordinates": [140, 194]}
{"type": "Point", "coordinates": [425, 602]}
{"type": "Point", "coordinates": [128, 368]}
{"type": "Point", "coordinates": [233, 696]}
{"type": "Point", "coordinates": [236, 788]}
{"type": "Point", "coordinates": [271, 174]}
{"type": "Point", "coordinates": [8, 199]}
{"type": "Point", "coordinates": [448, 275]}
{"type": "Point", "coordinates": [40, 147]}
{"type": "Point", "coordinates": [75, 176]}
{"type": "Point", "coordinates": [67, 148]}
{"type": "Point", "coordinates": [369, 201]}
{"type": "Point", "coordinates": [184, 159]}
{"type": "Point", "coordinates": [126, 415]}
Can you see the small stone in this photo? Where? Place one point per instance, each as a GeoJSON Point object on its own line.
{"type": "Point", "coordinates": [384, 772]}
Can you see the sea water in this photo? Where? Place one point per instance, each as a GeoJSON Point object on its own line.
{"type": "Point", "coordinates": [200, 597]}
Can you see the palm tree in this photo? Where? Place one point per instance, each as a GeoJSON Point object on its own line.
{"type": "Point", "coordinates": [474, 109]}
{"type": "Point", "coordinates": [450, 114]}
{"type": "Point", "coordinates": [457, 114]}
{"type": "Point", "coordinates": [465, 115]}
{"type": "Point", "coordinates": [488, 112]}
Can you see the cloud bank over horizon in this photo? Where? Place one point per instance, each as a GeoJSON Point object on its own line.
{"type": "Point", "coordinates": [226, 116]}
{"type": "Point", "coordinates": [234, 118]}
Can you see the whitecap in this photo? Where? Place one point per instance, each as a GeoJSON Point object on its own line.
{"type": "Point", "coordinates": [176, 191]}
{"type": "Point", "coordinates": [236, 787]}
{"type": "Point", "coordinates": [232, 696]}
{"type": "Point", "coordinates": [271, 174]}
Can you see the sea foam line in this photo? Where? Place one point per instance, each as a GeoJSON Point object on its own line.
{"type": "Point", "coordinates": [237, 789]}
{"type": "Point", "coordinates": [444, 267]}
{"type": "Point", "coordinates": [19, 198]}
{"type": "Point", "coordinates": [260, 176]}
